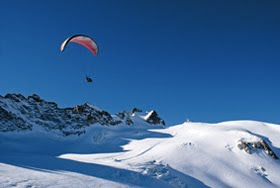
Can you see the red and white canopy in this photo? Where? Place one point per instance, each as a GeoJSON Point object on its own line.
{"type": "Point", "coordinates": [82, 40]}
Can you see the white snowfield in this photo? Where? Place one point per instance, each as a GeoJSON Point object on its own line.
{"type": "Point", "coordinates": [142, 155]}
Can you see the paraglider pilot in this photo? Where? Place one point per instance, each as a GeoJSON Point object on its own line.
{"type": "Point", "coordinates": [88, 79]}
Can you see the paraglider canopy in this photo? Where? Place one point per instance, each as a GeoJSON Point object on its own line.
{"type": "Point", "coordinates": [84, 40]}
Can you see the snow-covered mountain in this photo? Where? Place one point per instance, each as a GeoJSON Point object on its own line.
{"type": "Point", "coordinates": [18, 113]}
{"type": "Point", "coordinates": [42, 145]}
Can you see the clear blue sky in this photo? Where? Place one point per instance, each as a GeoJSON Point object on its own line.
{"type": "Point", "coordinates": [204, 60]}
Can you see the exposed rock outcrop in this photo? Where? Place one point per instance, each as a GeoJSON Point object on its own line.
{"type": "Point", "coordinates": [153, 118]}
{"type": "Point", "coordinates": [126, 117]}
{"type": "Point", "coordinates": [18, 113]}
{"type": "Point", "coordinates": [250, 147]}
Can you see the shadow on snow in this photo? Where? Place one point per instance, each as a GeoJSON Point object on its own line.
{"type": "Point", "coordinates": [31, 153]}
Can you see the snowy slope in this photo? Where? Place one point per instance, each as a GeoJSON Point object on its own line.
{"type": "Point", "coordinates": [191, 154]}
{"type": "Point", "coordinates": [144, 155]}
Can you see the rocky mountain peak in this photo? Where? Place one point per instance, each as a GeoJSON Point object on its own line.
{"type": "Point", "coordinates": [153, 118]}
{"type": "Point", "coordinates": [18, 113]}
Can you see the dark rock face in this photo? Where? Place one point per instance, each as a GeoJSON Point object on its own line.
{"type": "Point", "coordinates": [126, 117]}
{"type": "Point", "coordinates": [154, 119]}
{"type": "Point", "coordinates": [18, 113]}
{"type": "Point", "coordinates": [250, 147]}
{"type": "Point", "coordinates": [136, 110]}
{"type": "Point", "coordinates": [12, 122]}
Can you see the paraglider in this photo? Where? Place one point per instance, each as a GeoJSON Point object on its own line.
{"type": "Point", "coordinates": [85, 41]}
{"type": "Point", "coordinates": [88, 79]}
